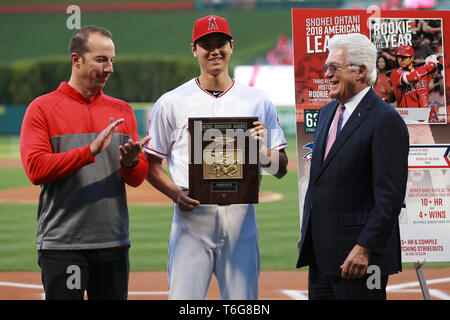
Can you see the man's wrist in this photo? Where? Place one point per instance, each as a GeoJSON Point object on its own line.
{"type": "Point", "coordinates": [91, 149]}
{"type": "Point", "coordinates": [179, 193]}
{"type": "Point", "coordinates": [264, 156]}
{"type": "Point", "coordinates": [368, 252]}
{"type": "Point", "coordinates": [135, 162]}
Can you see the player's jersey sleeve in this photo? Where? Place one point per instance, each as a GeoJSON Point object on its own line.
{"type": "Point", "coordinates": [275, 135]}
{"type": "Point", "coordinates": [160, 129]}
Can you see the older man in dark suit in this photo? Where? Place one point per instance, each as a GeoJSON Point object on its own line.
{"type": "Point", "coordinates": [357, 181]}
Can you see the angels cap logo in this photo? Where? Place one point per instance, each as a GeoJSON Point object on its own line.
{"type": "Point", "coordinates": [433, 116]}
{"type": "Point", "coordinates": [212, 23]}
{"type": "Point", "coordinates": [405, 50]}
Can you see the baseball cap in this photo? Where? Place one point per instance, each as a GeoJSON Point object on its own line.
{"type": "Point", "coordinates": [405, 50]}
{"type": "Point", "coordinates": [210, 24]}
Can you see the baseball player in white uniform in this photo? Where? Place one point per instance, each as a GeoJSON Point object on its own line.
{"type": "Point", "coordinates": [210, 239]}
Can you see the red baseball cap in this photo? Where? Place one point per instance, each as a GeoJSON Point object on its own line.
{"type": "Point", "coordinates": [405, 50]}
{"type": "Point", "coordinates": [210, 24]}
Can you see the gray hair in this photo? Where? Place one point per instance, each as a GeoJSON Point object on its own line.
{"type": "Point", "coordinates": [360, 51]}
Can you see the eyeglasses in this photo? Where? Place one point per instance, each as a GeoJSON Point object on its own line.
{"type": "Point", "coordinates": [333, 68]}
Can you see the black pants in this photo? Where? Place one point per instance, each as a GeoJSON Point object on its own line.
{"type": "Point", "coordinates": [327, 287]}
{"type": "Point", "coordinates": [102, 273]}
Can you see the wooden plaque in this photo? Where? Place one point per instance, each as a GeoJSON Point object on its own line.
{"type": "Point", "coordinates": [223, 161]}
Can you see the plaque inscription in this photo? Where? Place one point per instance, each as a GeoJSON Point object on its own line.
{"type": "Point", "coordinates": [223, 166]}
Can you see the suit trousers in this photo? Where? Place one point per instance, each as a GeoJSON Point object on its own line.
{"type": "Point", "coordinates": [101, 273]}
{"type": "Point", "coordinates": [330, 287]}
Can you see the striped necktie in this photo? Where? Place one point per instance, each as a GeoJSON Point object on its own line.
{"type": "Point", "coordinates": [334, 129]}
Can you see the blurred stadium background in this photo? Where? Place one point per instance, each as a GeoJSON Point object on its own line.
{"type": "Point", "coordinates": [152, 40]}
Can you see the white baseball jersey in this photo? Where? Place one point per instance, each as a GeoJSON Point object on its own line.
{"type": "Point", "coordinates": [210, 239]}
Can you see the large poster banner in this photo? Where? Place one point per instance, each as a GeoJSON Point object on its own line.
{"type": "Point", "coordinates": [406, 41]}
{"type": "Point", "coordinates": [425, 218]}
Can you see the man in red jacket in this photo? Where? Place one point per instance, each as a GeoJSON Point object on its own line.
{"type": "Point", "coordinates": [82, 146]}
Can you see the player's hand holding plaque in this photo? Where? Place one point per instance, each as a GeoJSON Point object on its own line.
{"type": "Point", "coordinates": [223, 167]}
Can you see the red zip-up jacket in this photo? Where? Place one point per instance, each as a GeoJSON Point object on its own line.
{"type": "Point", "coordinates": [82, 203]}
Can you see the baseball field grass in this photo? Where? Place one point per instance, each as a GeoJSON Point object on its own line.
{"type": "Point", "coordinates": [150, 225]}
{"type": "Point", "coordinates": [156, 34]}
{"type": "Point", "coordinates": [278, 224]}
{"type": "Point", "coordinates": [9, 147]}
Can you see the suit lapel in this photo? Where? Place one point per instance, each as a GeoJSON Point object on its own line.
{"type": "Point", "coordinates": [358, 116]}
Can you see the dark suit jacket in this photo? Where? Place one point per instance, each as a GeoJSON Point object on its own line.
{"type": "Point", "coordinates": [356, 194]}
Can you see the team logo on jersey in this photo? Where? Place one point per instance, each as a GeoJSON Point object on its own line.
{"type": "Point", "coordinates": [433, 116]}
{"type": "Point", "coordinates": [308, 157]}
{"type": "Point", "coordinates": [422, 84]}
{"type": "Point", "coordinates": [212, 24]}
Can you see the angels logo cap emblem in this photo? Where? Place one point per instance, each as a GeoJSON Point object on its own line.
{"type": "Point", "coordinates": [210, 24]}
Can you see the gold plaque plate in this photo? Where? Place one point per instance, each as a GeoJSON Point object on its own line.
{"type": "Point", "coordinates": [223, 160]}
{"type": "Point", "coordinates": [222, 164]}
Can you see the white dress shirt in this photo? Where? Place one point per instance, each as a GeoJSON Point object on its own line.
{"type": "Point", "coordinates": [350, 106]}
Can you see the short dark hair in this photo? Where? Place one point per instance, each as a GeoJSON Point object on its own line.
{"type": "Point", "coordinates": [79, 38]}
{"type": "Point", "coordinates": [228, 37]}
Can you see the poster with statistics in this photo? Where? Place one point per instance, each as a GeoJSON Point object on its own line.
{"type": "Point", "coordinates": [412, 75]}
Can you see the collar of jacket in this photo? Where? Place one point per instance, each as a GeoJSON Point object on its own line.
{"type": "Point", "coordinates": [75, 94]}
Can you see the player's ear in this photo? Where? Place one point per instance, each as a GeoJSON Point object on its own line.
{"type": "Point", "coordinates": [231, 44]}
{"type": "Point", "coordinates": [194, 50]}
